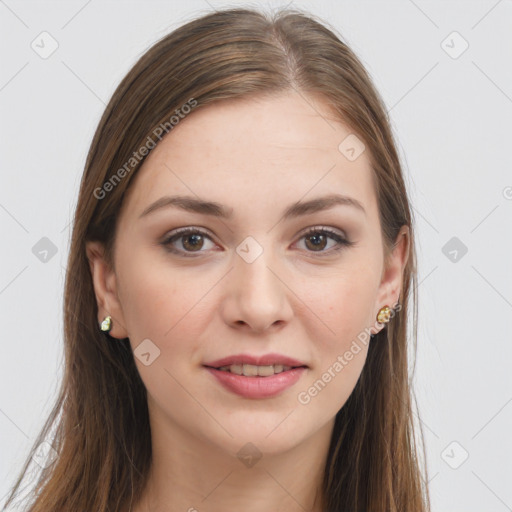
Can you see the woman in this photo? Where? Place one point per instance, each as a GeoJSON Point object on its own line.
{"type": "Point", "coordinates": [238, 286]}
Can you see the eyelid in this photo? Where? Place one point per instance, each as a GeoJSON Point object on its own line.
{"type": "Point", "coordinates": [188, 229]}
{"type": "Point", "coordinates": [328, 229]}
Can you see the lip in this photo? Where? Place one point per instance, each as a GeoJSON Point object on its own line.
{"type": "Point", "coordinates": [264, 360]}
{"type": "Point", "coordinates": [257, 387]}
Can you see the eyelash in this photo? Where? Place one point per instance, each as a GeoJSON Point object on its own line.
{"type": "Point", "coordinates": [342, 242]}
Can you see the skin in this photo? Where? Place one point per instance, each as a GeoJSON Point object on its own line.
{"type": "Point", "coordinates": [255, 156]}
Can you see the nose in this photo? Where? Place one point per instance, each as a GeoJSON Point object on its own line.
{"type": "Point", "coordinates": [257, 296]}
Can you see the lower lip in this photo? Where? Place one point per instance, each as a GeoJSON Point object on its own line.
{"type": "Point", "coordinates": [257, 387]}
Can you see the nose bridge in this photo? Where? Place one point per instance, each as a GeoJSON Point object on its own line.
{"type": "Point", "coordinates": [257, 295]}
{"type": "Point", "coordinates": [252, 266]}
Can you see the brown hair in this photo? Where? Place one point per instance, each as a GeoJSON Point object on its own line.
{"type": "Point", "coordinates": [103, 436]}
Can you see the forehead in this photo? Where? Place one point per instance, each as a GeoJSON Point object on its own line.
{"type": "Point", "coordinates": [255, 151]}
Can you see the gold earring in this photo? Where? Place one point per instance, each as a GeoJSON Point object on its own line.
{"type": "Point", "coordinates": [106, 325]}
{"type": "Point", "coordinates": [384, 315]}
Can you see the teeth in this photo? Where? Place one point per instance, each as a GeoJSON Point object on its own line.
{"type": "Point", "coordinates": [251, 370]}
{"type": "Point", "coordinates": [235, 368]}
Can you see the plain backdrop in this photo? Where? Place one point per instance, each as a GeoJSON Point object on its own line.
{"type": "Point", "coordinates": [444, 70]}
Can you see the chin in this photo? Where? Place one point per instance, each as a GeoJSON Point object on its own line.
{"type": "Point", "coordinates": [269, 438]}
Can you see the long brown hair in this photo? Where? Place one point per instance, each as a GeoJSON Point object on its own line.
{"type": "Point", "coordinates": [102, 435]}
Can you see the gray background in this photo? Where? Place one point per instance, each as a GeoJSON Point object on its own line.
{"type": "Point", "coordinates": [451, 113]}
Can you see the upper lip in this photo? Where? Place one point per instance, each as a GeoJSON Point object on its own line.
{"type": "Point", "coordinates": [264, 360]}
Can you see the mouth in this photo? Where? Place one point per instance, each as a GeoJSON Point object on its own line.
{"type": "Point", "coordinates": [251, 370]}
{"type": "Point", "coordinates": [256, 382]}
{"type": "Point", "coordinates": [251, 365]}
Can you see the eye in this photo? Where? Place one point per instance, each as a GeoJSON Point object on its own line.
{"type": "Point", "coordinates": [193, 240]}
{"type": "Point", "coordinates": [316, 238]}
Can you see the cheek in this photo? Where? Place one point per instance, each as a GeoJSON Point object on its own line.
{"type": "Point", "coordinates": [166, 308]}
{"type": "Point", "coordinates": [342, 310]}
{"type": "Point", "coordinates": [166, 305]}
{"type": "Point", "coordinates": [342, 305]}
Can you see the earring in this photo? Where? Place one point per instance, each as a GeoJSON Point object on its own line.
{"type": "Point", "coordinates": [106, 325]}
{"type": "Point", "coordinates": [384, 315]}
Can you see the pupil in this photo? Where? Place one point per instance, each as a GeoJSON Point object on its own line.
{"type": "Point", "coordinates": [194, 243]}
{"type": "Point", "coordinates": [319, 240]}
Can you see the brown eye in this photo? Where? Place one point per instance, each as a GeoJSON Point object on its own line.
{"type": "Point", "coordinates": [316, 240]}
{"type": "Point", "coordinates": [192, 241]}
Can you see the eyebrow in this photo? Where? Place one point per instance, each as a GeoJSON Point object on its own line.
{"type": "Point", "coordinates": [300, 208]}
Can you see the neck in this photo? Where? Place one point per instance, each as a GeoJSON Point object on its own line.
{"type": "Point", "coordinates": [195, 475]}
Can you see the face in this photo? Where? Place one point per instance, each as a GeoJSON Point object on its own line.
{"type": "Point", "coordinates": [255, 281]}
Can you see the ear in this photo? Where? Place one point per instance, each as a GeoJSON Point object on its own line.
{"type": "Point", "coordinates": [392, 274]}
{"type": "Point", "coordinates": [105, 289]}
